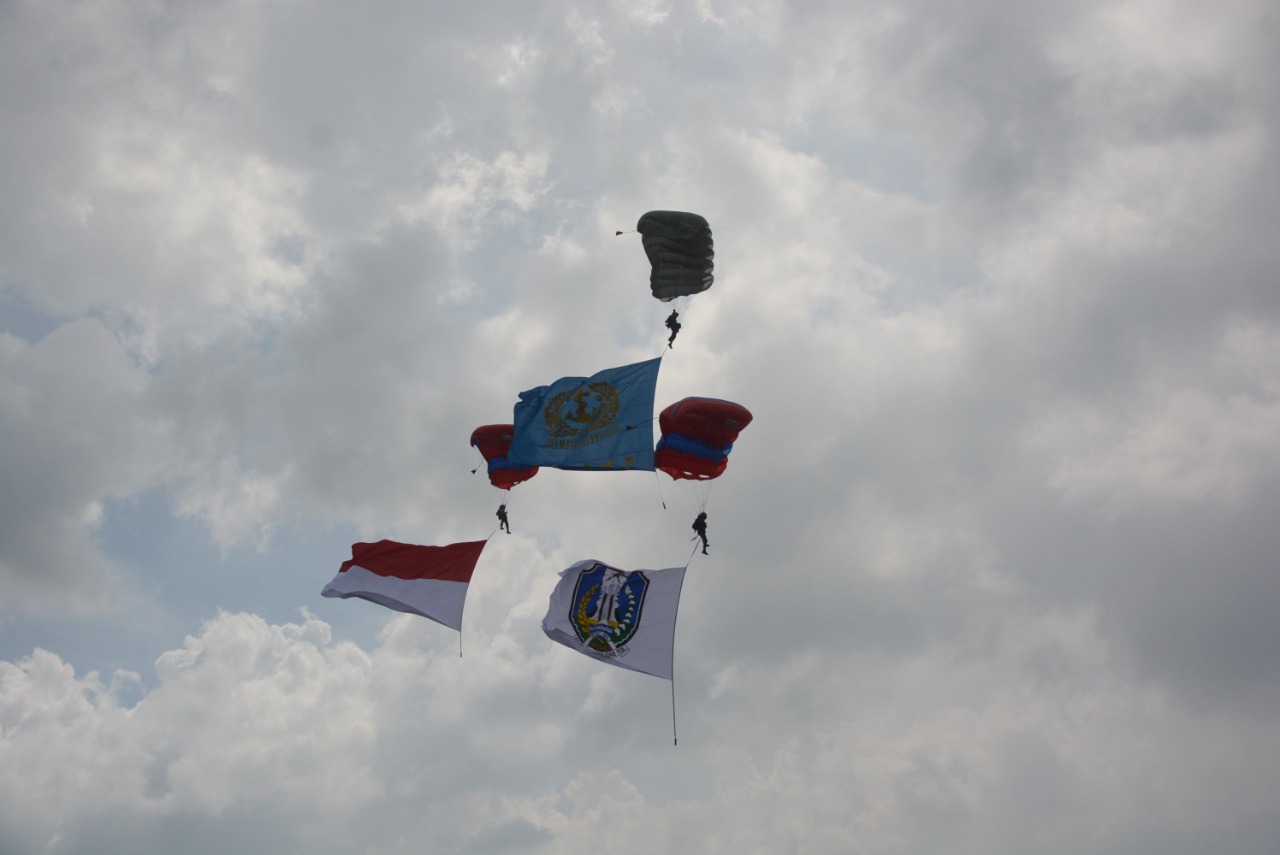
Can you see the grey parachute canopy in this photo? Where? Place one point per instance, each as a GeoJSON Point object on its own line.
{"type": "Point", "coordinates": [680, 249]}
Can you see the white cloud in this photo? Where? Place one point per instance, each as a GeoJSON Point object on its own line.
{"type": "Point", "coordinates": [250, 720]}
{"type": "Point", "coordinates": [77, 431]}
{"type": "Point", "coordinates": [468, 190]}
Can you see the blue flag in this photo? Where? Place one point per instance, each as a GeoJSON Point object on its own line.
{"type": "Point", "coordinates": [603, 422]}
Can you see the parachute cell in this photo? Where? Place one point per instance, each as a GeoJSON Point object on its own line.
{"type": "Point", "coordinates": [680, 251]}
{"type": "Point", "coordinates": [697, 436]}
{"type": "Point", "coordinates": [493, 442]}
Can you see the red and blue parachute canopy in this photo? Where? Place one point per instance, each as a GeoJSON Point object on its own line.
{"type": "Point", "coordinates": [697, 436]}
{"type": "Point", "coordinates": [493, 441]}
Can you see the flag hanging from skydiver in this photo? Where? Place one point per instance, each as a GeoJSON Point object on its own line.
{"type": "Point", "coordinates": [430, 581]}
{"type": "Point", "coordinates": [602, 422]}
{"type": "Point", "coordinates": [624, 618]}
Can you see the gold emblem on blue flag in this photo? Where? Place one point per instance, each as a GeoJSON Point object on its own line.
{"type": "Point", "coordinates": [600, 422]}
{"type": "Point", "coordinates": [573, 416]}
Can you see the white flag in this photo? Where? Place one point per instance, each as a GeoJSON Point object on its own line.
{"type": "Point", "coordinates": [625, 618]}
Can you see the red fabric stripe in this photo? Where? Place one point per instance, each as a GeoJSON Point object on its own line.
{"type": "Point", "coordinates": [453, 563]}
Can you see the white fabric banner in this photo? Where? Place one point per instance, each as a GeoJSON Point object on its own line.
{"type": "Point", "coordinates": [625, 618]}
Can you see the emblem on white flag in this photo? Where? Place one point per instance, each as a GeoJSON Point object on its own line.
{"type": "Point", "coordinates": [625, 618]}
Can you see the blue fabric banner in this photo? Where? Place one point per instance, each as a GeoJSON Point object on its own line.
{"type": "Point", "coordinates": [602, 422]}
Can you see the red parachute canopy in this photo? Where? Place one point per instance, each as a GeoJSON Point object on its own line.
{"type": "Point", "coordinates": [697, 436]}
{"type": "Point", "coordinates": [493, 441]}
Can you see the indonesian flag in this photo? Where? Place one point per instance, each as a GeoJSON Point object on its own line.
{"type": "Point", "coordinates": [430, 581]}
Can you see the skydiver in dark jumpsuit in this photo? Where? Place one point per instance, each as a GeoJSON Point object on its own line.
{"type": "Point", "coordinates": [674, 326]}
{"type": "Point", "coordinates": [502, 518]}
{"type": "Point", "coordinates": [700, 529]}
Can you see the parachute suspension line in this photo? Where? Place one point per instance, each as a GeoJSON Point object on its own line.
{"type": "Point", "coordinates": [686, 495]}
{"type": "Point", "coordinates": [693, 495]}
{"type": "Point", "coordinates": [484, 464]}
{"type": "Point", "coordinates": [704, 493]}
{"type": "Point", "coordinates": [658, 483]}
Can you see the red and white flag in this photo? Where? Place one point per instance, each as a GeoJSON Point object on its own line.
{"type": "Point", "coordinates": [422, 580]}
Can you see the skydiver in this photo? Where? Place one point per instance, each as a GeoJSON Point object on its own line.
{"type": "Point", "coordinates": [502, 518]}
{"type": "Point", "coordinates": [674, 326]}
{"type": "Point", "coordinates": [700, 529]}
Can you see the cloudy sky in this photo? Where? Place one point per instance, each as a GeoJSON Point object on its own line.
{"type": "Point", "coordinates": [994, 569]}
